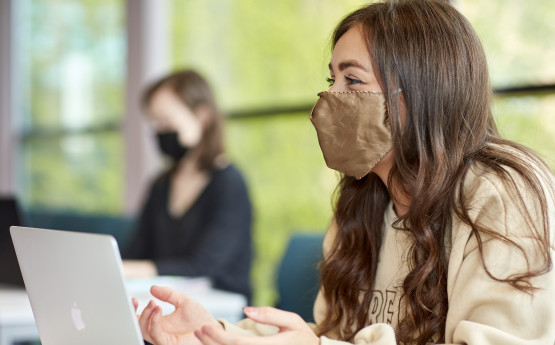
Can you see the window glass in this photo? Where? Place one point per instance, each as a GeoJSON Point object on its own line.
{"type": "Point", "coordinates": [70, 82]}
{"type": "Point", "coordinates": [75, 171]}
{"type": "Point", "coordinates": [528, 119]}
{"type": "Point", "coordinates": [517, 37]}
{"type": "Point", "coordinates": [260, 53]}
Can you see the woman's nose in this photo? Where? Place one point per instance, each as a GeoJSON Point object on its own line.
{"type": "Point", "coordinates": [337, 87]}
{"type": "Point", "coordinates": [334, 88]}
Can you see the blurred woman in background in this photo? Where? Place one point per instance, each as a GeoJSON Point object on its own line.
{"type": "Point", "coordinates": [197, 219]}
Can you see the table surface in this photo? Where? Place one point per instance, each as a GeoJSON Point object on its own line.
{"type": "Point", "coordinates": [15, 308]}
{"type": "Point", "coordinates": [16, 315]}
{"type": "Point", "coordinates": [222, 304]}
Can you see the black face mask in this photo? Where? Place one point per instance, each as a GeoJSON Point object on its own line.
{"type": "Point", "coordinates": [169, 144]}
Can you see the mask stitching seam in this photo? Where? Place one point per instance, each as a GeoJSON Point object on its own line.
{"type": "Point", "coordinates": [347, 92]}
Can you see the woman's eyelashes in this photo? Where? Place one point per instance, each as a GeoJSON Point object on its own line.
{"type": "Point", "coordinates": [348, 81]}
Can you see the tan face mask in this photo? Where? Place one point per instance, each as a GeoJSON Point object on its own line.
{"type": "Point", "coordinates": [353, 130]}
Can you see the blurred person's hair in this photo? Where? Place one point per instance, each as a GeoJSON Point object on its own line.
{"type": "Point", "coordinates": [194, 91]}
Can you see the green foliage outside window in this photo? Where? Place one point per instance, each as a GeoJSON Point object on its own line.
{"type": "Point", "coordinates": [70, 77]}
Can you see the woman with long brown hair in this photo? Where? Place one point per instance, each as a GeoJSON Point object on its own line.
{"type": "Point", "coordinates": [442, 230]}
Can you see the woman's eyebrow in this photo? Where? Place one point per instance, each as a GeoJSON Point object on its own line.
{"type": "Point", "coordinates": [349, 63]}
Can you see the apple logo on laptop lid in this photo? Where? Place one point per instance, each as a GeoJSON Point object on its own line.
{"type": "Point", "coordinates": [77, 318]}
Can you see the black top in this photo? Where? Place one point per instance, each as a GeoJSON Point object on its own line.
{"type": "Point", "coordinates": [212, 238]}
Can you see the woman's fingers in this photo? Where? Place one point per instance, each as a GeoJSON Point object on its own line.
{"type": "Point", "coordinates": [135, 303]}
{"type": "Point", "coordinates": [272, 316]}
{"type": "Point", "coordinates": [144, 320]}
{"type": "Point", "coordinates": [166, 294]}
{"type": "Point", "coordinates": [156, 326]}
{"type": "Point", "coordinates": [136, 307]}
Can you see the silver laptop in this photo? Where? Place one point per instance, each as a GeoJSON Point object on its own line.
{"type": "Point", "coordinates": [76, 287]}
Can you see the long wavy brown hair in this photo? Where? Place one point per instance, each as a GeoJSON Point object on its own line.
{"type": "Point", "coordinates": [430, 51]}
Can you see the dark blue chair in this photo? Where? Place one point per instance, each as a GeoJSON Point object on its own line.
{"type": "Point", "coordinates": [118, 226]}
{"type": "Point", "coordinates": [298, 274]}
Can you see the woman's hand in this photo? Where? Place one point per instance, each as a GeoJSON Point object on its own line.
{"type": "Point", "coordinates": [292, 330]}
{"type": "Point", "coordinates": [176, 328]}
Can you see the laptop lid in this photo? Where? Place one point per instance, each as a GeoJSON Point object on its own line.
{"type": "Point", "coordinates": [9, 216]}
{"type": "Point", "coordinates": [76, 287]}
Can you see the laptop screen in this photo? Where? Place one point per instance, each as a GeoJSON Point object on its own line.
{"type": "Point", "coordinates": [76, 287]}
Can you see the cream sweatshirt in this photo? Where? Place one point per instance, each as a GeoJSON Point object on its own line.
{"type": "Point", "coordinates": [481, 311]}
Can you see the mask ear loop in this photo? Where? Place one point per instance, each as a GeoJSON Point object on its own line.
{"type": "Point", "coordinates": [392, 93]}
